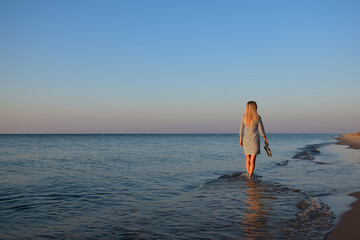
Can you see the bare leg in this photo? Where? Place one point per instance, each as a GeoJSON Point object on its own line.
{"type": "Point", "coordinates": [248, 164]}
{"type": "Point", "coordinates": [252, 165]}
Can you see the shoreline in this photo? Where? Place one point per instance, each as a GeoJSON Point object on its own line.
{"type": "Point", "coordinates": [348, 225]}
{"type": "Point", "coordinates": [352, 140]}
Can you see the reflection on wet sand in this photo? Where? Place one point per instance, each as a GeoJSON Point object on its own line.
{"type": "Point", "coordinates": [255, 215]}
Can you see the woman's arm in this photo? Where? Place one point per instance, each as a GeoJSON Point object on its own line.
{"type": "Point", "coordinates": [262, 131]}
{"type": "Point", "coordinates": [241, 132]}
{"type": "Point", "coordinates": [266, 141]}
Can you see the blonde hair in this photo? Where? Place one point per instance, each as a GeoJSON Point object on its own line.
{"type": "Point", "coordinates": [251, 116]}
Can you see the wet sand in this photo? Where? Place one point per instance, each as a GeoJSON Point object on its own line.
{"type": "Point", "coordinates": [348, 227]}
{"type": "Point", "coordinates": [352, 140]}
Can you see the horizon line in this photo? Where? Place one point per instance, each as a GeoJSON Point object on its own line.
{"type": "Point", "coordinates": [205, 133]}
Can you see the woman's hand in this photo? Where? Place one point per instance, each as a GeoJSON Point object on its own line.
{"type": "Point", "coordinates": [266, 142]}
{"type": "Point", "coordinates": [241, 142]}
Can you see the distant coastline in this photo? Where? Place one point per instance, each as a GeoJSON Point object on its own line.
{"type": "Point", "coordinates": [352, 140]}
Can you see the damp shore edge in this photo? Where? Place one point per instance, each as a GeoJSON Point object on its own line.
{"type": "Point", "coordinates": [348, 225]}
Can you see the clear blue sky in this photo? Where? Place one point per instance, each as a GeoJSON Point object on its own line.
{"type": "Point", "coordinates": [178, 66]}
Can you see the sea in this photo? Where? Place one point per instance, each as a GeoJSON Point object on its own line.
{"type": "Point", "coordinates": [172, 186]}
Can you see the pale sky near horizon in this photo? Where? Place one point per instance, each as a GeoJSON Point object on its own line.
{"type": "Point", "coordinates": [159, 66]}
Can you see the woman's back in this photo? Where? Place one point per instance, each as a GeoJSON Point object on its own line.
{"type": "Point", "coordinates": [250, 126]}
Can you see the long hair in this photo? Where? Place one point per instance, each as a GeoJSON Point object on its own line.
{"type": "Point", "coordinates": [251, 116]}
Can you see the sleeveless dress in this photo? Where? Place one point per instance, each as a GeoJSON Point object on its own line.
{"type": "Point", "coordinates": [251, 139]}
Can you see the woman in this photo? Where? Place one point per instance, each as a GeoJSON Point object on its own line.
{"type": "Point", "coordinates": [251, 123]}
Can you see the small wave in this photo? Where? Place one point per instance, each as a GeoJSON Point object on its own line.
{"type": "Point", "coordinates": [238, 176]}
{"type": "Point", "coordinates": [309, 151]}
{"type": "Point", "coordinates": [228, 179]}
{"type": "Point", "coordinates": [283, 163]}
{"type": "Point", "coordinates": [314, 219]}
{"type": "Point", "coordinates": [321, 163]}
{"type": "Point", "coordinates": [234, 176]}
{"type": "Point", "coordinates": [310, 205]}
{"type": "Point", "coordinates": [22, 207]}
{"type": "Point", "coordinates": [305, 155]}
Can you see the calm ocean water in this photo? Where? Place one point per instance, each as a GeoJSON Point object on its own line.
{"type": "Point", "coordinates": [172, 187]}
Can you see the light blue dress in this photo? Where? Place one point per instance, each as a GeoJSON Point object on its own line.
{"type": "Point", "coordinates": [251, 139]}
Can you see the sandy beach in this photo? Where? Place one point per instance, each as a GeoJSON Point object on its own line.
{"type": "Point", "coordinates": [348, 226]}
{"type": "Point", "coordinates": [352, 140]}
